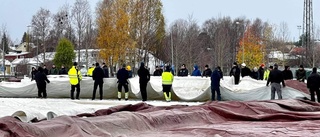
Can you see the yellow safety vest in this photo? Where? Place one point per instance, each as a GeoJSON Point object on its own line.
{"type": "Point", "coordinates": [167, 78]}
{"type": "Point", "coordinates": [90, 71]}
{"type": "Point", "coordinates": [74, 75]}
{"type": "Point", "coordinates": [266, 74]}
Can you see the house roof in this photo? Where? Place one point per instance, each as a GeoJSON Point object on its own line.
{"type": "Point", "coordinates": [16, 54]}
{"type": "Point", "coordinates": [297, 51]}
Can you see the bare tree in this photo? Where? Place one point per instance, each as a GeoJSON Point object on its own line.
{"type": "Point", "coordinates": [80, 13]}
{"type": "Point", "coordinates": [41, 27]}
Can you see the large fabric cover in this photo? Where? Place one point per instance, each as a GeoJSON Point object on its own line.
{"type": "Point", "coordinates": [184, 88]}
{"type": "Point", "coordinates": [211, 119]}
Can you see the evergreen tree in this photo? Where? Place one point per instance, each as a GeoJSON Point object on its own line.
{"type": "Point", "coordinates": [5, 43]}
{"type": "Point", "coordinates": [24, 37]}
{"type": "Point", "coordinates": [64, 53]}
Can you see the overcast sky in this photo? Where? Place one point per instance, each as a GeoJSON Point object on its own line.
{"type": "Point", "coordinates": [17, 14]}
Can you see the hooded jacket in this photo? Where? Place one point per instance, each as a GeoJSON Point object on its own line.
{"type": "Point", "coordinates": [196, 71]}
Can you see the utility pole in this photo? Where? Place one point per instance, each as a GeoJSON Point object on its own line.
{"type": "Point", "coordinates": [3, 60]}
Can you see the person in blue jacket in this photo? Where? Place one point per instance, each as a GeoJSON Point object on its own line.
{"type": "Point", "coordinates": [215, 84]}
{"type": "Point", "coordinates": [196, 71]}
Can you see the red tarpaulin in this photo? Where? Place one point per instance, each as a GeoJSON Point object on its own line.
{"type": "Point", "coordinates": [229, 118]}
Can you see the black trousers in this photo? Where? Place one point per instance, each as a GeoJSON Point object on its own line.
{"type": "Point", "coordinates": [166, 89]}
{"type": "Point", "coordinates": [143, 90]}
{"type": "Point", "coordinates": [312, 90]}
{"type": "Point", "coordinates": [125, 85]}
{"type": "Point", "coordinates": [96, 84]}
{"type": "Point", "coordinates": [78, 91]}
{"type": "Point", "coordinates": [236, 80]}
{"type": "Point", "coordinates": [42, 91]}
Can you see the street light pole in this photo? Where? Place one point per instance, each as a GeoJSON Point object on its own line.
{"type": "Point", "coordinates": [171, 48]}
{"type": "Point", "coordinates": [242, 44]}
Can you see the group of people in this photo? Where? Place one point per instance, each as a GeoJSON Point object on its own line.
{"type": "Point", "coordinates": [272, 75]}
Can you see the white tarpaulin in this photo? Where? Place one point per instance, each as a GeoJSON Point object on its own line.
{"type": "Point", "coordinates": [184, 88]}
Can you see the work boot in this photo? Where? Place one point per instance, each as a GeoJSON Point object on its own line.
{"type": "Point", "coordinates": [119, 95]}
{"type": "Point", "coordinates": [126, 95]}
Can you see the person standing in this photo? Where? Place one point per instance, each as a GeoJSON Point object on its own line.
{"type": "Point", "coordinates": [313, 83]}
{"type": "Point", "coordinates": [89, 73]}
{"type": "Point", "coordinates": [128, 68]}
{"type": "Point", "coordinates": [207, 71]}
{"type": "Point", "coordinates": [215, 85]}
{"type": "Point", "coordinates": [33, 73]}
{"type": "Point", "coordinates": [245, 71]}
{"type": "Point", "coordinates": [157, 72]}
{"type": "Point", "coordinates": [276, 78]}
{"type": "Point", "coordinates": [301, 74]}
{"type": "Point", "coordinates": [167, 79]}
{"type": "Point", "coordinates": [183, 72]}
{"type": "Point", "coordinates": [105, 70]}
{"type": "Point", "coordinates": [75, 78]}
{"type": "Point", "coordinates": [261, 72]}
{"type": "Point", "coordinates": [41, 79]}
{"type": "Point", "coordinates": [287, 73]}
{"type": "Point", "coordinates": [220, 72]}
{"type": "Point", "coordinates": [97, 76]}
{"type": "Point", "coordinates": [53, 70]}
{"type": "Point", "coordinates": [255, 73]}
{"type": "Point", "coordinates": [63, 70]}
{"type": "Point", "coordinates": [267, 73]}
{"type": "Point", "coordinates": [144, 78]}
{"type": "Point", "coordinates": [122, 76]}
{"type": "Point", "coordinates": [45, 70]}
{"type": "Point", "coordinates": [235, 72]}
{"type": "Point", "coordinates": [196, 71]}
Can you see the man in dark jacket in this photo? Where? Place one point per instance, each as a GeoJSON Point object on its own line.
{"type": "Point", "coordinates": [41, 80]}
{"type": "Point", "coordinates": [97, 76]}
{"type": "Point", "coordinates": [63, 71]}
{"type": "Point", "coordinates": [215, 84]}
{"type": "Point", "coordinates": [54, 70]}
{"type": "Point", "coordinates": [313, 83]}
{"type": "Point", "coordinates": [245, 71]}
{"type": "Point", "coordinates": [287, 73]}
{"type": "Point", "coordinates": [157, 72]}
{"type": "Point", "coordinates": [183, 72]}
{"type": "Point", "coordinates": [220, 72]}
{"type": "Point", "coordinates": [122, 76]}
{"type": "Point", "coordinates": [235, 72]}
{"type": "Point", "coordinates": [45, 70]}
{"type": "Point", "coordinates": [301, 74]}
{"type": "Point", "coordinates": [275, 77]}
{"type": "Point", "coordinates": [261, 72]}
{"type": "Point", "coordinates": [33, 73]}
{"type": "Point", "coordinates": [144, 78]}
{"type": "Point", "coordinates": [207, 71]}
{"type": "Point", "coordinates": [105, 70]}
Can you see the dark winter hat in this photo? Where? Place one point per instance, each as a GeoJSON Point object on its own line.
{"type": "Point", "coordinates": [97, 64]}
{"type": "Point", "coordinates": [271, 67]}
{"type": "Point", "coordinates": [275, 65]}
{"type": "Point", "coordinates": [301, 66]}
{"type": "Point", "coordinates": [75, 63]}
{"type": "Point", "coordinates": [123, 65]}
{"type": "Point", "coordinates": [206, 66]}
{"type": "Point", "coordinates": [141, 64]}
{"type": "Point", "coordinates": [40, 69]}
{"type": "Point", "coordinates": [235, 63]}
{"type": "Point", "coordinates": [314, 70]}
{"type": "Point", "coordinates": [167, 68]}
{"type": "Point", "coordinates": [286, 67]}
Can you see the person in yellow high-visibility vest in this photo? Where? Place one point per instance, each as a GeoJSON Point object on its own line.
{"type": "Point", "coordinates": [267, 72]}
{"type": "Point", "coordinates": [75, 78]}
{"type": "Point", "coordinates": [167, 79]}
{"type": "Point", "coordinates": [89, 73]}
